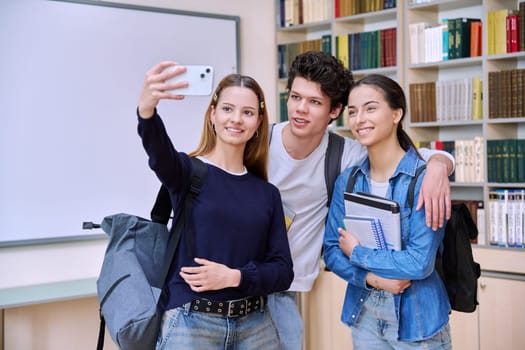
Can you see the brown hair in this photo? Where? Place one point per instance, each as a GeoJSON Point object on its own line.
{"type": "Point", "coordinates": [256, 151]}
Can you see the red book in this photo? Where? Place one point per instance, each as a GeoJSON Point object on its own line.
{"type": "Point", "coordinates": [337, 8]}
{"type": "Point", "coordinates": [511, 26]}
{"type": "Point", "coordinates": [514, 33]}
{"type": "Point", "coordinates": [438, 145]}
{"type": "Point", "coordinates": [507, 33]}
{"type": "Point", "coordinates": [475, 39]}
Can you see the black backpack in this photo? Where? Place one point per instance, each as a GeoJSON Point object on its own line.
{"type": "Point", "coordinates": [456, 264]}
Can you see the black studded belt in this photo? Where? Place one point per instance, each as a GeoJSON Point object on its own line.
{"type": "Point", "coordinates": [232, 308]}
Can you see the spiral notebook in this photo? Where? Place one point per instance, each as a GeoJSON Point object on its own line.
{"type": "Point", "coordinates": [382, 210]}
{"type": "Point", "coordinates": [367, 230]}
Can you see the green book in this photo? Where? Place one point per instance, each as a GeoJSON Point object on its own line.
{"type": "Point", "coordinates": [452, 39]}
{"type": "Point", "coordinates": [520, 160]}
{"type": "Point", "coordinates": [462, 36]}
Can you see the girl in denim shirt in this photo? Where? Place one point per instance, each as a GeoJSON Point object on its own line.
{"type": "Point", "coordinates": [394, 299]}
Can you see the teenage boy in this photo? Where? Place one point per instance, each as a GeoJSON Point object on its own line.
{"type": "Point", "coordinates": [318, 86]}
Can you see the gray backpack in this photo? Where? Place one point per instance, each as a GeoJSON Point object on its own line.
{"type": "Point", "coordinates": [135, 266]}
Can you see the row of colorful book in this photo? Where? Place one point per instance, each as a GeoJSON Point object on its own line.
{"type": "Point", "coordinates": [506, 217]}
{"type": "Point", "coordinates": [505, 160]}
{"type": "Point", "coordinates": [296, 12]}
{"type": "Point", "coordinates": [506, 92]}
{"type": "Point", "coordinates": [286, 53]}
{"type": "Point", "coordinates": [344, 8]}
{"type": "Point", "coordinates": [506, 30]}
{"type": "Point", "coordinates": [446, 100]}
{"type": "Point", "coordinates": [450, 39]}
{"type": "Point", "coordinates": [367, 50]}
{"type": "Point", "coordinates": [469, 156]}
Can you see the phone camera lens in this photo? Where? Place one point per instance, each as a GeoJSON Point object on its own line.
{"type": "Point", "coordinates": [208, 70]}
{"type": "Point", "coordinates": [202, 75]}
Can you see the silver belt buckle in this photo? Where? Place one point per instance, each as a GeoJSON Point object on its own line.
{"type": "Point", "coordinates": [243, 310]}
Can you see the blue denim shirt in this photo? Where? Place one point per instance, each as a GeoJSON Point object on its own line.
{"type": "Point", "coordinates": [423, 308]}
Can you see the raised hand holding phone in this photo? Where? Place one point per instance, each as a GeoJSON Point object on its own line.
{"type": "Point", "coordinates": [199, 78]}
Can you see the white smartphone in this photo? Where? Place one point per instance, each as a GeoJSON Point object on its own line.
{"type": "Point", "coordinates": [199, 78]}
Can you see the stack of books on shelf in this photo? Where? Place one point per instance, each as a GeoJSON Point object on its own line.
{"type": "Point", "coordinates": [506, 30]}
{"type": "Point", "coordinates": [446, 100]}
{"type": "Point", "coordinates": [344, 8]}
{"type": "Point", "coordinates": [468, 154]}
{"type": "Point", "coordinates": [296, 12]}
{"type": "Point", "coordinates": [286, 53]}
{"type": "Point", "coordinates": [451, 39]}
{"type": "Point", "coordinates": [505, 160]}
{"type": "Point", "coordinates": [506, 217]}
{"type": "Point", "coordinates": [506, 91]}
{"type": "Point", "coordinates": [367, 50]}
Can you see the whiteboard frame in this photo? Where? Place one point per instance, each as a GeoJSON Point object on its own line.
{"type": "Point", "coordinates": [49, 239]}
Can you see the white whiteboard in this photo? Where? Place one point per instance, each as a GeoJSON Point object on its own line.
{"type": "Point", "coordinates": [70, 76]}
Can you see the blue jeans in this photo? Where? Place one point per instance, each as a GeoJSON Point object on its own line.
{"type": "Point", "coordinates": [185, 329]}
{"type": "Point", "coordinates": [377, 327]}
{"type": "Point", "coordinates": [285, 314]}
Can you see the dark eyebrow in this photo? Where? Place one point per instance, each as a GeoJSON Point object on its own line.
{"type": "Point", "coordinates": [366, 103]}
{"type": "Point", "coordinates": [293, 92]}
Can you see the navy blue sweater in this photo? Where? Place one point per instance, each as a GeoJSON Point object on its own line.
{"type": "Point", "coordinates": [237, 221]}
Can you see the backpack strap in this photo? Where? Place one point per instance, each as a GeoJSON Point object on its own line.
{"type": "Point", "coordinates": [412, 185]}
{"type": "Point", "coordinates": [332, 162]}
{"type": "Point", "coordinates": [101, 332]}
{"type": "Point", "coordinates": [161, 210]}
{"type": "Point", "coordinates": [271, 133]}
{"type": "Point", "coordinates": [351, 179]}
{"type": "Point", "coordinates": [199, 170]}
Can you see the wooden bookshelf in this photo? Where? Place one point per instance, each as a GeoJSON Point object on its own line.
{"type": "Point", "coordinates": [500, 116]}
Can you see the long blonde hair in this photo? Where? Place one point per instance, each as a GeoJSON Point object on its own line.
{"type": "Point", "coordinates": [256, 151]}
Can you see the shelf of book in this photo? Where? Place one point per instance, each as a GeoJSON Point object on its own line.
{"type": "Point", "coordinates": [481, 100]}
{"type": "Point", "coordinates": [366, 29]}
{"type": "Point", "coordinates": [463, 92]}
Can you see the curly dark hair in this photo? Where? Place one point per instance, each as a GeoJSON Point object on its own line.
{"type": "Point", "coordinates": [325, 69]}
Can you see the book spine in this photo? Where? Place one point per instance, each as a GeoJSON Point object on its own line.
{"type": "Point", "coordinates": [493, 219]}
{"type": "Point", "coordinates": [480, 222]}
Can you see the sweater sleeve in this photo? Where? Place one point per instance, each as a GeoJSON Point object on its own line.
{"type": "Point", "coordinates": [163, 158]}
{"type": "Point", "coordinates": [275, 272]}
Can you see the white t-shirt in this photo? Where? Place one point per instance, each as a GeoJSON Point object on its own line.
{"type": "Point", "coordinates": [303, 192]}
